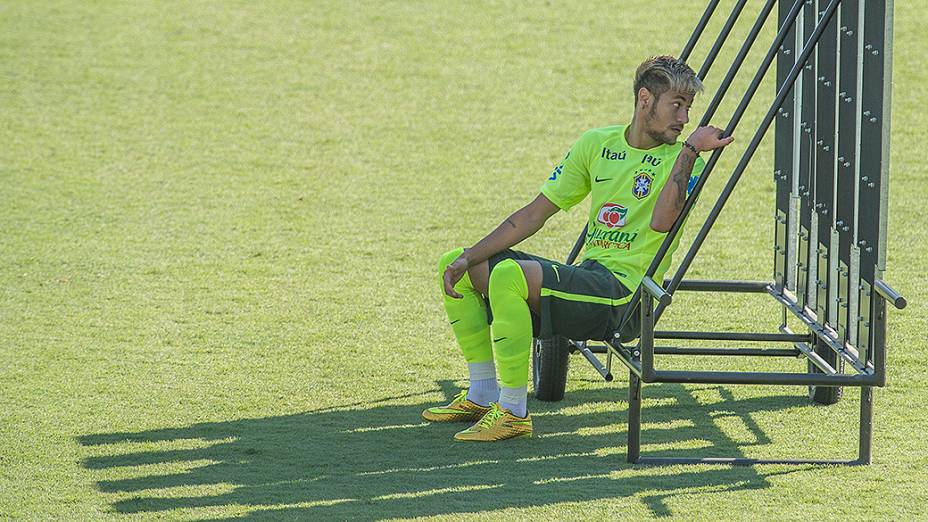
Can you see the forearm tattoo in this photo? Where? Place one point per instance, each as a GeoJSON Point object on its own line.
{"type": "Point", "coordinates": [509, 220]}
{"type": "Point", "coordinates": [681, 177]}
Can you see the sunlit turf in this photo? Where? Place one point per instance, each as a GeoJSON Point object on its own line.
{"type": "Point", "coordinates": [220, 226]}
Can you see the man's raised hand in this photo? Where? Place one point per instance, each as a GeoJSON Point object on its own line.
{"type": "Point", "coordinates": [708, 138]}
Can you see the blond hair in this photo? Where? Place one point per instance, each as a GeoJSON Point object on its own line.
{"type": "Point", "coordinates": [659, 74]}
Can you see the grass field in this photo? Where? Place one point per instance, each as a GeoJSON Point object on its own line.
{"type": "Point", "coordinates": [219, 225]}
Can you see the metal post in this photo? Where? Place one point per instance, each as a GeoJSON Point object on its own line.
{"type": "Point", "coordinates": [700, 27]}
{"type": "Point", "coordinates": [634, 418]}
{"type": "Point", "coordinates": [723, 35]}
{"type": "Point", "coordinates": [825, 174]}
{"type": "Point", "coordinates": [804, 164]}
{"type": "Point", "coordinates": [578, 244]}
{"type": "Point", "coordinates": [646, 346]}
{"type": "Point", "coordinates": [864, 454]}
{"type": "Point", "coordinates": [783, 165]}
{"type": "Point", "coordinates": [850, 46]}
{"type": "Point", "coordinates": [877, 336]}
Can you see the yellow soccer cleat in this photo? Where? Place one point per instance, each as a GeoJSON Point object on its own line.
{"type": "Point", "coordinates": [460, 409]}
{"type": "Point", "coordinates": [498, 424]}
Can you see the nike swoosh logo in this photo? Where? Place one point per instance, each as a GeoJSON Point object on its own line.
{"type": "Point", "coordinates": [456, 320]}
{"type": "Point", "coordinates": [498, 340]}
{"type": "Point", "coordinates": [597, 180]}
{"type": "Point", "coordinates": [447, 410]}
{"type": "Point", "coordinates": [556, 273]}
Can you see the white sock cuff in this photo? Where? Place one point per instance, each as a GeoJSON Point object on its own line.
{"type": "Point", "coordinates": [513, 395]}
{"type": "Point", "coordinates": [482, 370]}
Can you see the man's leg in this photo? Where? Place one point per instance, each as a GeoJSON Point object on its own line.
{"type": "Point", "coordinates": [468, 318]}
{"type": "Point", "coordinates": [514, 290]}
{"type": "Point", "coordinates": [484, 388]}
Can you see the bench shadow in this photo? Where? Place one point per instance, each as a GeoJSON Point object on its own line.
{"type": "Point", "coordinates": [376, 460]}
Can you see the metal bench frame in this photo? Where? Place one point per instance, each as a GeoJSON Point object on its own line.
{"type": "Point", "coordinates": [831, 169]}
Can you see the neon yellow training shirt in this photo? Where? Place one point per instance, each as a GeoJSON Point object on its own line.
{"type": "Point", "coordinates": [625, 183]}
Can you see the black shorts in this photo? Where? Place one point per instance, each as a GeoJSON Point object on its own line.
{"type": "Point", "coordinates": [582, 302]}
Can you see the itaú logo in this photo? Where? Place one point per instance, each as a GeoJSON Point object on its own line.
{"type": "Point", "coordinates": [612, 215]}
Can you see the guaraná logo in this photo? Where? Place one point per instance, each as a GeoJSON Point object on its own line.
{"type": "Point", "coordinates": [612, 215]}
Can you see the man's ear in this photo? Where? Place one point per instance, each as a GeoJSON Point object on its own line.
{"type": "Point", "coordinates": [645, 98]}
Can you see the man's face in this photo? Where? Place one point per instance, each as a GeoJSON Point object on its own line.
{"type": "Point", "coordinates": [665, 117]}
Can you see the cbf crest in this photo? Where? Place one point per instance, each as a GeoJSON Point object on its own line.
{"type": "Point", "coordinates": [642, 186]}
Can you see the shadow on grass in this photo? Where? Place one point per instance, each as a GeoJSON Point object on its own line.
{"type": "Point", "coordinates": [378, 460]}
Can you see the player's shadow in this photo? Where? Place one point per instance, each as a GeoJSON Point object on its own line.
{"type": "Point", "coordinates": [379, 460]}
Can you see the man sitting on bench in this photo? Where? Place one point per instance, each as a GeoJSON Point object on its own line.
{"type": "Point", "coordinates": [639, 177]}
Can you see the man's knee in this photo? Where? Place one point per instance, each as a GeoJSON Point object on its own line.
{"type": "Point", "coordinates": [522, 277]}
{"type": "Point", "coordinates": [507, 276]}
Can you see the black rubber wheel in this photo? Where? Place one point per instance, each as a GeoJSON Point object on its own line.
{"type": "Point", "coordinates": [550, 358]}
{"type": "Point", "coordinates": [826, 394]}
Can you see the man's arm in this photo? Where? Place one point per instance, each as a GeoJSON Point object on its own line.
{"type": "Point", "coordinates": [515, 229]}
{"type": "Point", "coordinates": [673, 196]}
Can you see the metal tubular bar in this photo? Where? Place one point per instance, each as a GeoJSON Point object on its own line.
{"type": "Point", "coordinates": [733, 336]}
{"type": "Point", "coordinates": [736, 64]}
{"type": "Point", "coordinates": [623, 354]}
{"type": "Point", "coordinates": [779, 378]}
{"type": "Point", "coordinates": [666, 350]}
{"type": "Point", "coordinates": [804, 185]}
{"type": "Point", "coordinates": [783, 169]}
{"type": "Point", "coordinates": [646, 341]}
{"type": "Point", "coordinates": [634, 418]}
{"type": "Point", "coordinates": [878, 338]}
{"type": "Point", "coordinates": [608, 358]}
{"type": "Point", "coordinates": [886, 111]}
{"type": "Point", "coordinates": [697, 32]}
{"type": "Point", "coordinates": [864, 452]}
{"type": "Point", "coordinates": [758, 135]}
{"type": "Point", "coordinates": [889, 294]}
{"type": "Point", "coordinates": [825, 171]}
{"type": "Point", "coordinates": [865, 298]}
{"type": "Point", "coordinates": [754, 352]}
{"type": "Point", "coordinates": [847, 204]}
{"type": "Point", "coordinates": [593, 360]}
{"type": "Point", "coordinates": [816, 359]}
{"type": "Point", "coordinates": [691, 200]}
{"type": "Point", "coordinates": [875, 102]}
{"type": "Point", "coordinates": [720, 40]}
{"type": "Point", "coordinates": [656, 291]}
{"type": "Point", "coordinates": [707, 285]}
{"type": "Point", "coordinates": [578, 244]}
